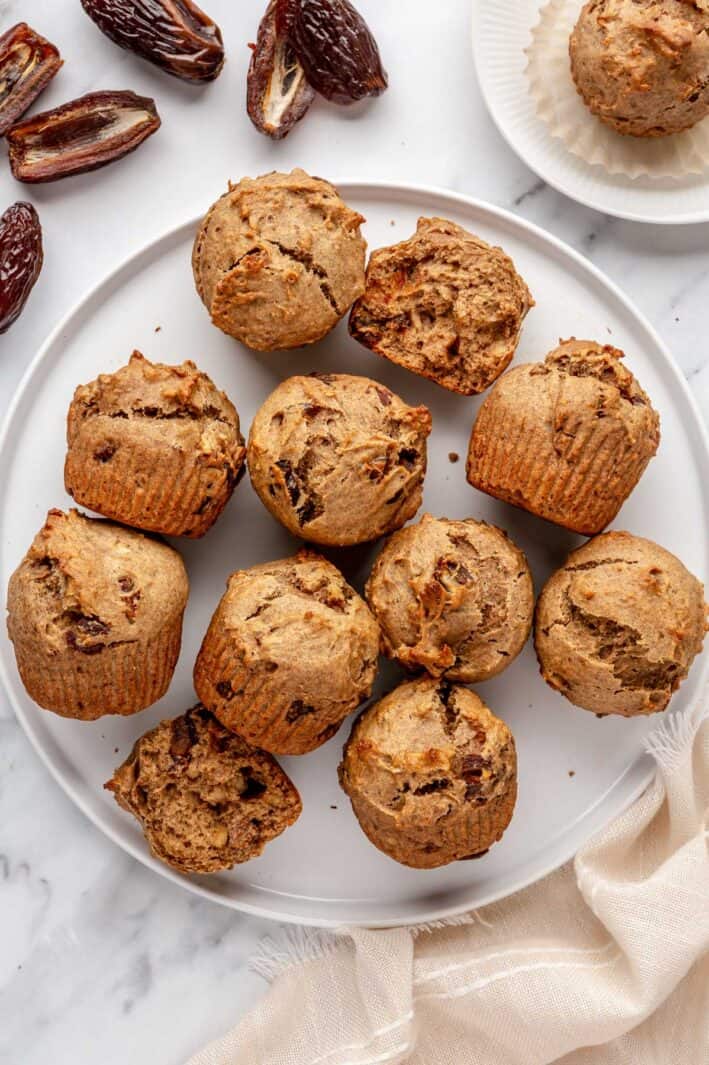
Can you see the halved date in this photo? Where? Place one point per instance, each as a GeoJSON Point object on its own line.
{"type": "Point", "coordinates": [278, 94]}
{"type": "Point", "coordinates": [82, 135]}
{"type": "Point", "coordinates": [176, 35]}
{"type": "Point", "coordinates": [27, 63]}
{"type": "Point", "coordinates": [21, 260]}
{"type": "Point", "coordinates": [335, 46]}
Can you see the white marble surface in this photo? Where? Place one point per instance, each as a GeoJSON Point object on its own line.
{"type": "Point", "coordinates": [101, 962]}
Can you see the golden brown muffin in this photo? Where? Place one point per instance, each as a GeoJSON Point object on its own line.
{"type": "Point", "coordinates": [642, 66]}
{"type": "Point", "coordinates": [205, 800]}
{"type": "Point", "coordinates": [279, 260]}
{"type": "Point", "coordinates": [95, 613]}
{"type": "Point", "coordinates": [452, 597]}
{"type": "Point", "coordinates": [290, 652]}
{"type": "Point", "coordinates": [567, 439]}
{"type": "Point", "coordinates": [338, 460]}
{"type": "Point", "coordinates": [444, 305]}
{"type": "Point", "coordinates": [158, 447]}
{"type": "Point", "coordinates": [618, 627]}
{"type": "Point", "coordinates": [431, 774]}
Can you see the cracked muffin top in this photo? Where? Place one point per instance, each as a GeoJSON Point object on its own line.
{"type": "Point", "coordinates": [444, 305]}
{"type": "Point", "coordinates": [279, 260]}
{"type": "Point", "coordinates": [148, 425]}
{"type": "Point", "coordinates": [205, 799]}
{"type": "Point", "coordinates": [618, 627]}
{"type": "Point", "coordinates": [452, 597]}
{"type": "Point", "coordinates": [567, 439]}
{"type": "Point", "coordinates": [431, 774]}
{"type": "Point", "coordinates": [291, 650]}
{"type": "Point", "coordinates": [642, 66]}
{"type": "Point", "coordinates": [338, 459]}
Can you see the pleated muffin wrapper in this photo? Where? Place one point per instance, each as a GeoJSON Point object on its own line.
{"type": "Point", "coordinates": [245, 702]}
{"type": "Point", "coordinates": [121, 679]}
{"type": "Point", "coordinates": [561, 107]}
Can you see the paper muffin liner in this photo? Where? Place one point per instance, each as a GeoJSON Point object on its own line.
{"type": "Point", "coordinates": [562, 109]}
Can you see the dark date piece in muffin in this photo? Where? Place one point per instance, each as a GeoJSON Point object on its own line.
{"type": "Point", "coordinates": [205, 799]}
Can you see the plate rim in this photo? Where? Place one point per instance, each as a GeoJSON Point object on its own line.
{"type": "Point", "coordinates": [548, 176]}
{"type": "Point", "coordinates": [641, 769]}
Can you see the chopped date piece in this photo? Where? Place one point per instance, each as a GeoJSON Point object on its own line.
{"type": "Point", "coordinates": [335, 46]}
{"type": "Point", "coordinates": [278, 94]}
{"type": "Point", "coordinates": [28, 63]}
{"type": "Point", "coordinates": [175, 35]}
{"type": "Point", "coordinates": [21, 260]}
{"type": "Point", "coordinates": [82, 135]}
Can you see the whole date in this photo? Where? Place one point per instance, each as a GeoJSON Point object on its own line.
{"type": "Point", "coordinates": [21, 260]}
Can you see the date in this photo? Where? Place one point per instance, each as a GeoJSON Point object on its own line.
{"type": "Point", "coordinates": [28, 63]}
{"type": "Point", "coordinates": [82, 135]}
{"type": "Point", "coordinates": [335, 47]}
{"type": "Point", "coordinates": [175, 35]}
{"type": "Point", "coordinates": [21, 260]}
{"type": "Point", "coordinates": [278, 94]}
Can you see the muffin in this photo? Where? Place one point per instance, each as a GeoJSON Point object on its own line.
{"type": "Point", "coordinates": [279, 260]}
{"type": "Point", "coordinates": [452, 597]}
{"type": "Point", "coordinates": [205, 800]}
{"type": "Point", "coordinates": [94, 611]}
{"type": "Point", "coordinates": [642, 66]}
{"type": "Point", "coordinates": [567, 439]}
{"type": "Point", "coordinates": [618, 628]}
{"type": "Point", "coordinates": [338, 460]}
{"type": "Point", "coordinates": [431, 774]}
{"type": "Point", "coordinates": [444, 305]}
{"type": "Point", "coordinates": [154, 446]}
{"type": "Point", "coordinates": [290, 652]}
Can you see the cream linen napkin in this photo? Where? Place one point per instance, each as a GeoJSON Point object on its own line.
{"type": "Point", "coordinates": [602, 963]}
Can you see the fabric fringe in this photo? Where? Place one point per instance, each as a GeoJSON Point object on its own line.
{"type": "Point", "coordinates": [293, 945]}
{"type": "Point", "coordinates": [672, 740]}
{"type": "Point", "coordinates": [447, 922]}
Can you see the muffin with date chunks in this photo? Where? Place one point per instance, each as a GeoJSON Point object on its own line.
{"type": "Point", "coordinates": [444, 305]}
{"type": "Point", "coordinates": [289, 653]}
{"type": "Point", "coordinates": [338, 460]}
{"type": "Point", "coordinates": [205, 799]}
{"type": "Point", "coordinates": [452, 597]}
{"type": "Point", "coordinates": [154, 446]}
{"type": "Point", "coordinates": [642, 66]}
{"type": "Point", "coordinates": [567, 439]}
{"type": "Point", "coordinates": [431, 774]}
{"type": "Point", "coordinates": [279, 260]}
{"type": "Point", "coordinates": [618, 627]}
{"type": "Point", "coordinates": [94, 611]}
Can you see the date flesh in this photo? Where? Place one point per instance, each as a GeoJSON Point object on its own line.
{"type": "Point", "coordinates": [175, 35]}
{"type": "Point", "coordinates": [82, 135]}
{"type": "Point", "coordinates": [278, 94]}
{"type": "Point", "coordinates": [28, 63]}
{"type": "Point", "coordinates": [20, 260]}
{"type": "Point", "coordinates": [335, 46]}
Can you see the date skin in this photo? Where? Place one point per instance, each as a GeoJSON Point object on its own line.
{"type": "Point", "coordinates": [21, 260]}
{"type": "Point", "coordinates": [28, 63]}
{"type": "Point", "coordinates": [175, 35]}
{"type": "Point", "coordinates": [335, 47]}
{"type": "Point", "coordinates": [278, 94]}
{"type": "Point", "coordinates": [82, 135]}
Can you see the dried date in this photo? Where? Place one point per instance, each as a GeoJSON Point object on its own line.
{"type": "Point", "coordinates": [20, 260]}
{"type": "Point", "coordinates": [278, 94]}
{"type": "Point", "coordinates": [335, 47]}
{"type": "Point", "coordinates": [28, 63]}
{"type": "Point", "coordinates": [82, 135]}
{"type": "Point", "coordinates": [175, 35]}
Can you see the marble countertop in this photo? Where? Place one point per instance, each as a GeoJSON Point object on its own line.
{"type": "Point", "coordinates": [103, 962]}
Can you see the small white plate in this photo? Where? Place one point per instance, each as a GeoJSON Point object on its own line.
{"type": "Point", "coordinates": [323, 871]}
{"type": "Point", "coordinates": [501, 34]}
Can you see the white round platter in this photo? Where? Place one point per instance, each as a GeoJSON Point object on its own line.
{"type": "Point", "coordinates": [323, 871]}
{"type": "Point", "coordinates": [501, 33]}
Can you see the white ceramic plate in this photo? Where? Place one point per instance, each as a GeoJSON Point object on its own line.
{"type": "Point", "coordinates": [323, 871]}
{"type": "Point", "coordinates": [501, 33]}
